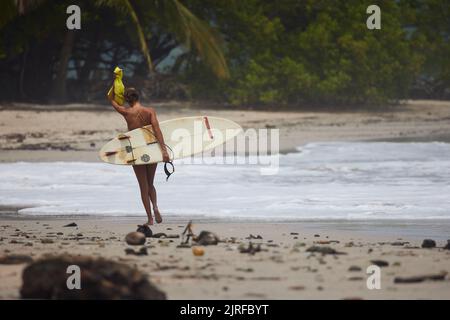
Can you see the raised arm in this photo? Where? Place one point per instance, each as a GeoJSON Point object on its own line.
{"type": "Point", "coordinates": [120, 109]}
{"type": "Point", "coordinates": [159, 135]}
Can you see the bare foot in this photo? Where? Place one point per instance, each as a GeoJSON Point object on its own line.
{"type": "Point", "coordinates": [157, 215]}
{"type": "Point", "coordinates": [149, 222]}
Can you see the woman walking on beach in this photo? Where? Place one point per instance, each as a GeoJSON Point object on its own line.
{"type": "Point", "coordinates": [138, 116]}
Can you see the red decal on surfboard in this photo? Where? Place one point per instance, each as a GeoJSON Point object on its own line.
{"type": "Point", "coordinates": [208, 127]}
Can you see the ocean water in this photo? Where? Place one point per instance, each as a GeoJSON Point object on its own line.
{"type": "Point", "coordinates": [321, 181]}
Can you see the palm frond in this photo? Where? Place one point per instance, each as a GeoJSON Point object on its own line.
{"type": "Point", "coordinates": [128, 8]}
{"type": "Point", "coordinates": [194, 32]}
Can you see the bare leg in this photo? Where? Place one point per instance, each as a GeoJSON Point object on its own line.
{"type": "Point", "coordinates": [141, 175]}
{"type": "Point", "coordinates": [151, 168]}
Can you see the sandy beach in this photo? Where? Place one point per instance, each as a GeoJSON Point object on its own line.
{"type": "Point", "coordinates": [286, 266]}
{"type": "Point", "coordinates": [283, 269]}
{"type": "Point", "coordinates": [75, 132]}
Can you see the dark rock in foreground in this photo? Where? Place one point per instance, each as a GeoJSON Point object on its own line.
{"type": "Point", "coordinates": [100, 279]}
{"type": "Point", "coordinates": [428, 243]}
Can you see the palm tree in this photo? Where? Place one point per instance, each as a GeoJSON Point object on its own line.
{"type": "Point", "coordinates": [188, 29]}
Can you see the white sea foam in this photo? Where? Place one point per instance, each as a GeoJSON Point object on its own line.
{"type": "Point", "coordinates": [321, 181]}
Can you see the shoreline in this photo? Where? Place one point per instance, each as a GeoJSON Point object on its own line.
{"type": "Point", "coordinates": [413, 229]}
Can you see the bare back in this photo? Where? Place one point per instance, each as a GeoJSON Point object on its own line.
{"type": "Point", "coordinates": [137, 117]}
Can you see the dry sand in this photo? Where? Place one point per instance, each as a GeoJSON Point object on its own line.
{"type": "Point", "coordinates": [283, 269]}
{"type": "Point", "coordinates": [76, 132]}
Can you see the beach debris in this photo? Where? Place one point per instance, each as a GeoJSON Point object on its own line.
{"type": "Point", "coordinates": [164, 235]}
{"type": "Point", "coordinates": [250, 249]}
{"type": "Point", "coordinates": [354, 268]}
{"type": "Point", "coordinates": [447, 246]}
{"type": "Point", "coordinates": [73, 224]}
{"type": "Point", "coordinates": [380, 263]}
{"type": "Point", "coordinates": [15, 259]}
{"type": "Point", "coordinates": [357, 278]}
{"type": "Point", "coordinates": [428, 243]}
{"type": "Point", "coordinates": [142, 251]}
{"type": "Point", "coordinates": [206, 238]}
{"type": "Point", "coordinates": [46, 241]}
{"type": "Point", "coordinates": [188, 233]}
{"type": "Point", "coordinates": [100, 278]}
{"type": "Point", "coordinates": [415, 279]}
{"type": "Point", "coordinates": [145, 229]}
{"type": "Point", "coordinates": [159, 235]}
{"type": "Point", "coordinates": [323, 250]}
{"type": "Point", "coordinates": [198, 251]}
{"type": "Point", "coordinates": [184, 245]}
{"type": "Point", "coordinates": [323, 242]}
{"type": "Point", "coordinates": [297, 288]}
{"type": "Point", "coordinates": [399, 243]}
{"type": "Point", "coordinates": [316, 235]}
{"type": "Point", "coordinates": [252, 237]}
{"type": "Point", "coordinates": [135, 238]}
{"type": "Point", "coordinates": [349, 244]}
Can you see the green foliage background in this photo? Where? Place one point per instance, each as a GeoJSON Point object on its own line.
{"type": "Point", "coordinates": [284, 52]}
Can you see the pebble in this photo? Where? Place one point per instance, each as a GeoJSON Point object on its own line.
{"type": "Point", "coordinates": [73, 224]}
{"type": "Point", "coordinates": [380, 263]}
{"type": "Point", "coordinates": [142, 251]}
{"type": "Point", "coordinates": [135, 238]}
{"type": "Point", "coordinates": [447, 246]}
{"type": "Point", "coordinates": [354, 268]}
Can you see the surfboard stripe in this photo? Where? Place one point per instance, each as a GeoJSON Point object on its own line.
{"type": "Point", "coordinates": [208, 127]}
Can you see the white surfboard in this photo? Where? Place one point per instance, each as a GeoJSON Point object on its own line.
{"type": "Point", "coordinates": [183, 137]}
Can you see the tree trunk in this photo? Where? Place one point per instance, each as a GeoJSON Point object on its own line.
{"type": "Point", "coordinates": [59, 85]}
{"type": "Point", "coordinates": [22, 74]}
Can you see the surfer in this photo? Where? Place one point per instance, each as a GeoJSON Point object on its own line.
{"type": "Point", "coordinates": [138, 116]}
